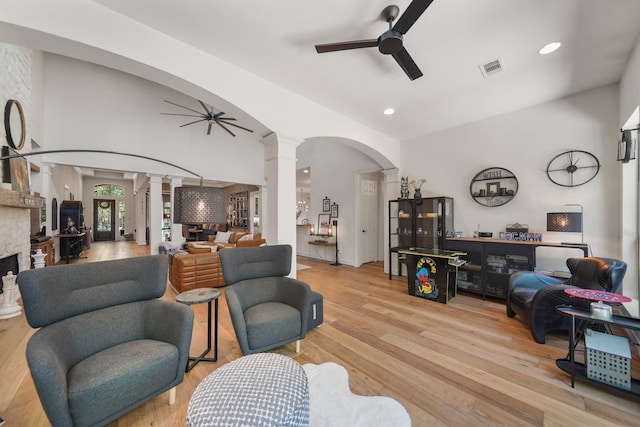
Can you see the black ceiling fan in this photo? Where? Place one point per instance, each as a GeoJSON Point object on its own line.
{"type": "Point", "coordinates": [390, 42]}
{"type": "Point", "coordinates": [208, 116]}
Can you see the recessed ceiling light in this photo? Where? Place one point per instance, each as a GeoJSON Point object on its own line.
{"type": "Point", "coordinates": [305, 170]}
{"type": "Point", "coordinates": [551, 47]}
{"type": "Point", "coordinates": [389, 111]}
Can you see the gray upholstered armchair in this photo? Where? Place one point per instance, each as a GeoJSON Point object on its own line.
{"type": "Point", "coordinates": [107, 344]}
{"type": "Point", "coordinates": [267, 309]}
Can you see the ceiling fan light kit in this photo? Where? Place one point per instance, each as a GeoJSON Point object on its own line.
{"type": "Point", "coordinates": [391, 41]}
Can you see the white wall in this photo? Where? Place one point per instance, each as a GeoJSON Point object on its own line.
{"type": "Point", "coordinates": [629, 103]}
{"type": "Point", "coordinates": [92, 107]}
{"type": "Point", "coordinates": [524, 142]}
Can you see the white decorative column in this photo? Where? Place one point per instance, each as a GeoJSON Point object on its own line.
{"type": "Point", "coordinates": [155, 213]}
{"type": "Point", "coordinates": [278, 215]}
{"type": "Point", "coordinates": [9, 307]}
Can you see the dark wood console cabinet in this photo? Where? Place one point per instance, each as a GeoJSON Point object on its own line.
{"type": "Point", "coordinates": [490, 262]}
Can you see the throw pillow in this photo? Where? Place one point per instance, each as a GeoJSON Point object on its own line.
{"type": "Point", "coordinates": [235, 236]}
{"type": "Point", "coordinates": [246, 237]}
{"type": "Point", "coordinates": [222, 237]}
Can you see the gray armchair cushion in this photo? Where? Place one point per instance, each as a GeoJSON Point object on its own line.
{"type": "Point", "coordinates": [271, 322]}
{"type": "Point", "coordinates": [98, 364]}
{"type": "Point", "coordinates": [120, 378]}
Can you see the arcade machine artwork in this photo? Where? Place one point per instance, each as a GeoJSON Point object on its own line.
{"type": "Point", "coordinates": [425, 285]}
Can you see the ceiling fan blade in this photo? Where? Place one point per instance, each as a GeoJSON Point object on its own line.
{"type": "Point", "coordinates": [227, 118]}
{"type": "Point", "coordinates": [234, 125]}
{"type": "Point", "coordinates": [411, 15]}
{"type": "Point", "coordinates": [209, 129]}
{"type": "Point", "coordinates": [225, 128]}
{"type": "Point", "coordinates": [197, 121]}
{"type": "Point", "coordinates": [182, 106]}
{"type": "Point", "coordinates": [405, 62]}
{"type": "Point", "coordinates": [356, 44]}
{"type": "Point", "coordinates": [205, 107]}
{"type": "Point", "coordinates": [183, 115]}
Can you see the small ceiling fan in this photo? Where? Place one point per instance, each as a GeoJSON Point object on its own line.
{"type": "Point", "coordinates": [208, 116]}
{"type": "Point", "coordinates": [390, 42]}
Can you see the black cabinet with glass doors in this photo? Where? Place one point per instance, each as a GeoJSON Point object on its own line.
{"type": "Point", "coordinates": [418, 223]}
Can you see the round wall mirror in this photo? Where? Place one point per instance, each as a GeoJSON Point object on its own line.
{"type": "Point", "coordinates": [14, 124]}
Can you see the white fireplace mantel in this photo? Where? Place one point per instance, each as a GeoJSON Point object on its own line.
{"type": "Point", "coordinates": [15, 199]}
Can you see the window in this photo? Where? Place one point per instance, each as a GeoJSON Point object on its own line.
{"type": "Point", "coordinates": [109, 190]}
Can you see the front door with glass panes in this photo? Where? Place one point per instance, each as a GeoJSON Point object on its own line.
{"type": "Point", "coordinates": [104, 220]}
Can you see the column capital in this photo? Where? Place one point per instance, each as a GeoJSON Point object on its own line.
{"type": "Point", "coordinates": [390, 171]}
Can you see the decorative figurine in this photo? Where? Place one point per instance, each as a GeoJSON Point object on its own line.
{"type": "Point", "coordinates": [9, 307]}
{"type": "Point", "coordinates": [38, 259]}
{"type": "Point", "coordinates": [404, 187]}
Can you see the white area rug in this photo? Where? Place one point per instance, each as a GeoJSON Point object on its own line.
{"type": "Point", "coordinates": [302, 267]}
{"type": "Point", "coordinates": [333, 405]}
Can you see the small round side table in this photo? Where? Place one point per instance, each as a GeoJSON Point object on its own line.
{"type": "Point", "coordinates": [595, 295]}
{"type": "Point", "coordinates": [199, 296]}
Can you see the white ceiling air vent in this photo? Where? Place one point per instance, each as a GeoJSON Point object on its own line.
{"type": "Point", "coordinates": [491, 67]}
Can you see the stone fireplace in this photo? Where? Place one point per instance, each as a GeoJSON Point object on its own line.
{"type": "Point", "coordinates": [15, 226]}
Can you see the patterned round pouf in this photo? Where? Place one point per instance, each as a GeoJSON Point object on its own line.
{"type": "Point", "coordinates": [263, 389]}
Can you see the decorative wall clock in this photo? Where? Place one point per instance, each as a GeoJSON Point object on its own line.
{"type": "Point", "coordinates": [14, 124]}
{"type": "Point", "coordinates": [573, 168]}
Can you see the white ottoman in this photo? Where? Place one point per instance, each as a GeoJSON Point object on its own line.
{"type": "Point", "coordinates": [263, 389]}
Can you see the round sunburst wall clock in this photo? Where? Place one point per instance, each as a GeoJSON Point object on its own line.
{"type": "Point", "coordinates": [573, 168]}
{"type": "Point", "coordinates": [14, 124]}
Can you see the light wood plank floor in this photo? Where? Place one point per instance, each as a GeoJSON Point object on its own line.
{"type": "Point", "coordinates": [461, 364]}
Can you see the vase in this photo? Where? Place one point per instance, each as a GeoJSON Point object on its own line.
{"type": "Point", "coordinates": [417, 194]}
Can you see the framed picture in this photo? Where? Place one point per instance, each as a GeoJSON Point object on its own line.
{"type": "Point", "coordinates": [493, 188]}
{"type": "Point", "coordinates": [326, 203]}
{"type": "Point", "coordinates": [16, 171]}
{"type": "Point", "coordinates": [324, 224]}
{"type": "Point", "coordinates": [334, 210]}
